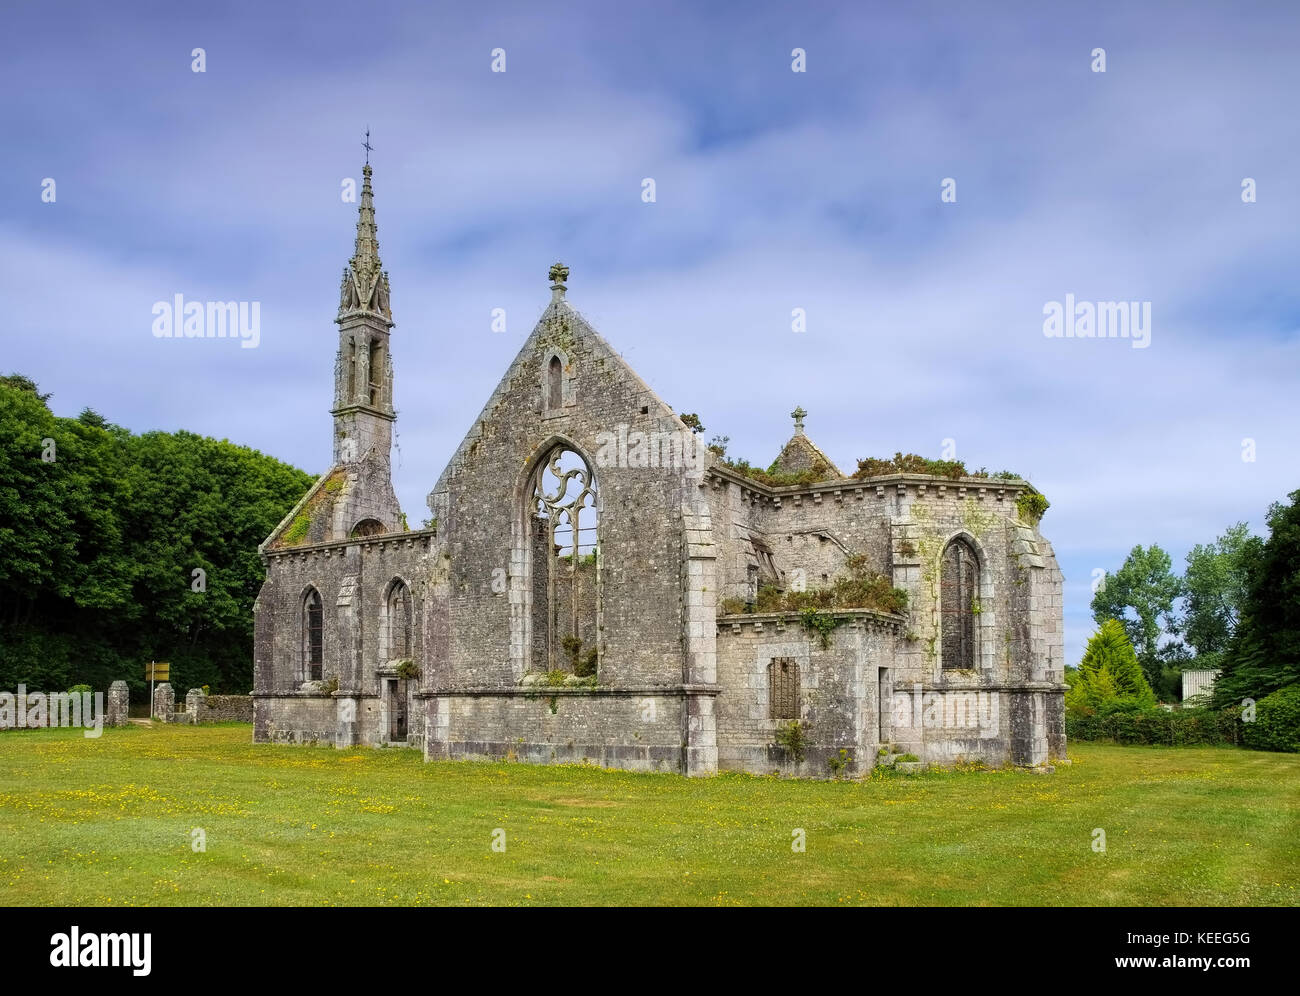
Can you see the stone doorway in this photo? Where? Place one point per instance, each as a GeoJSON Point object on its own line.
{"type": "Point", "coordinates": [397, 696]}
{"type": "Point", "coordinates": [884, 695]}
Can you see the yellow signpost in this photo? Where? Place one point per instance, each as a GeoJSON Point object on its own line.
{"type": "Point", "coordinates": [155, 671]}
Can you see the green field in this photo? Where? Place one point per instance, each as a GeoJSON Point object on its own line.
{"type": "Point", "coordinates": [109, 822]}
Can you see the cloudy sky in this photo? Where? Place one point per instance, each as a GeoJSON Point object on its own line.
{"type": "Point", "coordinates": [775, 190]}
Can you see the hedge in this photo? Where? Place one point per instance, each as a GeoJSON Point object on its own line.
{"type": "Point", "coordinates": [1277, 722]}
{"type": "Point", "coordinates": [1160, 727]}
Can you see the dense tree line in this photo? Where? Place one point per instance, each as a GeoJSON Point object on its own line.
{"type": "Point", "coordinates": [1235, 608]}
{"type": "Point", "coordinates": [117, 549]}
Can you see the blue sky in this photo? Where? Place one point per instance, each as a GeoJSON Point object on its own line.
{"type": "Point", "coordinates": [775, 190]}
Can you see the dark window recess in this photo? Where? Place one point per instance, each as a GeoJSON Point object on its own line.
{"type": "Point", "coordinates": [313, 644]}
{"type": "Point", "coordinates": [958, 605]}
{"type": "Point", "coordinates": [399, 621]}
{"type": "Point", "coordinates": [555, 384]}
{"type": "Point", "coordinates": [783, 688]}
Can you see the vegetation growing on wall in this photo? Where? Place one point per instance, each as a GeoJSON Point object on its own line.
{"type": "Point", "coordinates": [774, 478]}
{"type": "Point", "coordinates": [913, 463]}
{"type": "Point", "coordinates": [300, 528]}
{"type": "Point", "coordinates": [1031, 505]}
{"type": "Point", "coordinates": [860, 588]}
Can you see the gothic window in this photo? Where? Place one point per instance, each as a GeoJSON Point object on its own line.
{"type": "Point", "coordinates": [555, 383]}
{"type": "Point", "coordinates": [959, 604]}
{"type": "Point", "coordinates": [564, 520]}
{"type": "Point", "coordinates": [313, 635]}
{"type": "Point", "coordinates": [400, 622]}
{"type": "Point", "coordinates": [783, 688]}
{"type": "Point", "coordinates": [376, 372]}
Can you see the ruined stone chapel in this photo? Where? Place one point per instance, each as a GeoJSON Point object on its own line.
{"type": "Point", "coordinates": [595, 584]}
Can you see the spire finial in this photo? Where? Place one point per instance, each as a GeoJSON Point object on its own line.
{"type": "Point", "coordinates": [798, 415]}
{"type": "Point", "coordinates": [558, 274]}
{"type": "Point", "coordinates": [365, 285]}
{"type": "Point", "coordinates": [367, 146]}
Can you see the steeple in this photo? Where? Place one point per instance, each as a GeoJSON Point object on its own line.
{"type": "Point", "coordinates": [363, 370]}
{"type": "Point", "coordinates": [365, 284]}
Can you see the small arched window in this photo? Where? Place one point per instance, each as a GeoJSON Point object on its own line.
{"type": "Point", "coordinates": [368, 527]}
{"type": "Point", "coordinates": [959, 604]}
{"type": "Point", "coordinates": [376, 372]}
{"type": "Point", "coordinates": [555, 383]}
{"type": "Point", "coordinates": [313, 635]}
{"type": "Point", "coordinates": [400, 621]}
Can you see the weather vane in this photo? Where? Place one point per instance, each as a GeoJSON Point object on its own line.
{"type": "Point", "coordinates": [367, 146]}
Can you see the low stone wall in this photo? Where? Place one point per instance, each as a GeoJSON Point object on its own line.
{"type": "Point", "coordinates": [637, 729]}
{"type": "Point", "coordinates": [295, 718]}
{"type": "Point", "coordinates": [200, 708]}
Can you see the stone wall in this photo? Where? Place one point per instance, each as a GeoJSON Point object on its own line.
{"type": "Point", "coordinates": [636, 728]}
{"type": "Point", "coordinates": [838, 691]}
{"type": "Point", "coordinates": [221, 709]}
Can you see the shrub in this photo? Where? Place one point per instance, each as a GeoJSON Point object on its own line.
{"type": "Point", "coordinates": [1108, 675]}
{"type": "Point", "coordinates": [1277, 722]}
{"type": "Point", "coordinates": [793, 738]}
{"type": "Point", "coordinates": [79, 689]}
{"type": "Point", "coordinates": [861, 588]}
{"type": "Point", "coordinates": [1031, 506]}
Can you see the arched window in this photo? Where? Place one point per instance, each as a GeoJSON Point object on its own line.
{"type": "Point", "coordinates": [564, 518]}
{"type": "Point", "coordinates": [555, 383]}
{"type": "Point", "coordinates": [958, 604]}
{"type": "Point", "coordinates": [313, 635]}
{"type": "Point", "coordinates": [352, 371]}
{"type": "Point", "coordinates": [368, 527]}
{"type": "Point", "coordinates": [400, 621]}
{"type": "Point", "coordinates": [376, 373]}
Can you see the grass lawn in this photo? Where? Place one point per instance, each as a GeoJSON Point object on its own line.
{"type": "Point", "coordinates": [109, 821]}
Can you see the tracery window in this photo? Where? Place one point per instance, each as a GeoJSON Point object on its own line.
{"type": "Point", "coordinates": [564, 507]}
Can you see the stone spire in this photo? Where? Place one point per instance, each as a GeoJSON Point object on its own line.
{"type": "Point", "coordinates": [365, 284]}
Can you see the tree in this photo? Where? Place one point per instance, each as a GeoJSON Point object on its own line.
{"type": "Point", "coordinates": [1141, 595]}
{"type": "Point", "coordinates": [1264, 654]}
{"type": "Point", "coordinates": [1215, 589]}
{"type": "Point", "coordinates": [101, 535]}
{"type": "Point", "coordinates": [1109, 674]}
{"type": "Point", "coordinates": [20, 383]}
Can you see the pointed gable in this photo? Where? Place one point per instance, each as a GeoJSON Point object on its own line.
{"type": "Point", "coordinates": [801, 454]}
{"type": "Point", "coordinates": [535, 389]}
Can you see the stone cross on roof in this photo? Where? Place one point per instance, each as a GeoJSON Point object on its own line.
{"type": "Point", "coordinates": [798, 415]}
{"type": "Point", "coordinates": [558, 274]}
